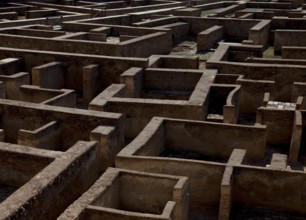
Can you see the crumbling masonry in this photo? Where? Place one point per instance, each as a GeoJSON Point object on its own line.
{"type": "Point", "coordinates": [153, 109]}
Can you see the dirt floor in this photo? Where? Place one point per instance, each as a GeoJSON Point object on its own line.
{"type": "Point", "coordinates": [189, 48]}
{"type": "Point", "coordinates": [5, 191]}
{"type": "Point", "coordinates": [269, 53]}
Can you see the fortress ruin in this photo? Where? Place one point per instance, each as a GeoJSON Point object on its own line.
{"type": "Point", "coordinates": [153, 109]}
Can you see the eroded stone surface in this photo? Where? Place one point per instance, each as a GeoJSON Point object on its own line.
{"type": "Point", "coordinates": [152, 109]}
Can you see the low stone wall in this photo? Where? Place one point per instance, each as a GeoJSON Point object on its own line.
{"type": "Point", "coordinates": [60, 183]}
{"type": "Point", "coordinates": [76, 124]}
{"type": "Point", "coordinates": [284, 23]}
{"type": "Point", "coordinates": [195, 136]}
{"type": "Point", "coordinates": [49, 75]}
{"type": "Point", "coordinates": [110, 68]}
{"type": "Point", "coordinates": [157, 43]}
{"type": "Point", "coordinates": [139, 111]}
{"type": "Point", "coordinates": [252, 95]}
{"type": "Point", "coordinates": [293, 52]}
{"type": "Point", "coordinates": [206, 39]}
{"type": "Point", "coordinates": [233, 28]}
{"type": "Point", "coordinates": [40, 13]}
{"type": "Point", "coordinates": [13, 82]}
{"type": "Point", "coordinates": [129, 48]}
{"type": "Point", "coordinates": [174, 62]}
{"type": "Point", "coordinates": [9, 15]}
{"type": "Point", "coordinates": [63, 45]}
{"type": "Point", "coordinates": [231, 109]}
{"type": "Point", "coordinates": [163, 78]}
{"type": "Point", "coordinates": [230, 9]}
{"type": "Point", "coordinates": [288, 38]}
{"type": "Point", "coordinates": [30, 31]}
{"type": "Point", "coordinates": [42, 21]}
{"type": "Point", "coordinates": [63, 97]}
{"type": "Point", "coordinates": [114, 196]}
{"type": "Point", "coordinates": [13, 157]}
{"type": "Point", "coordinates": [163, 5]}
{"type": "Point", "coordinates": [274, 189]}
{"type": "Point", "coordinates": [296, 139]}
{"type": "Point", "coordinates": [279, 125]}
{"type": "Point", "coordinates": [278, 5]}
{"type": "Point", "coordinates": [184, 136]}
{"type": "Point", "coordinates": [303, 135]}
{"type": "Point", "coordinates": [180, 31]}
{"type": "Point", "coordinates": [157, 22]}
{"type": "Point", "coordinates": [20, 9]}
{"type": "Point", "coordinates": [260, 33]}
{"type": "Point", "coordinates": [283, 75]}
{"type": "Point", "coordinates": [45, 137]}
{"type": "Point", "coordinates": [238, 183]}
